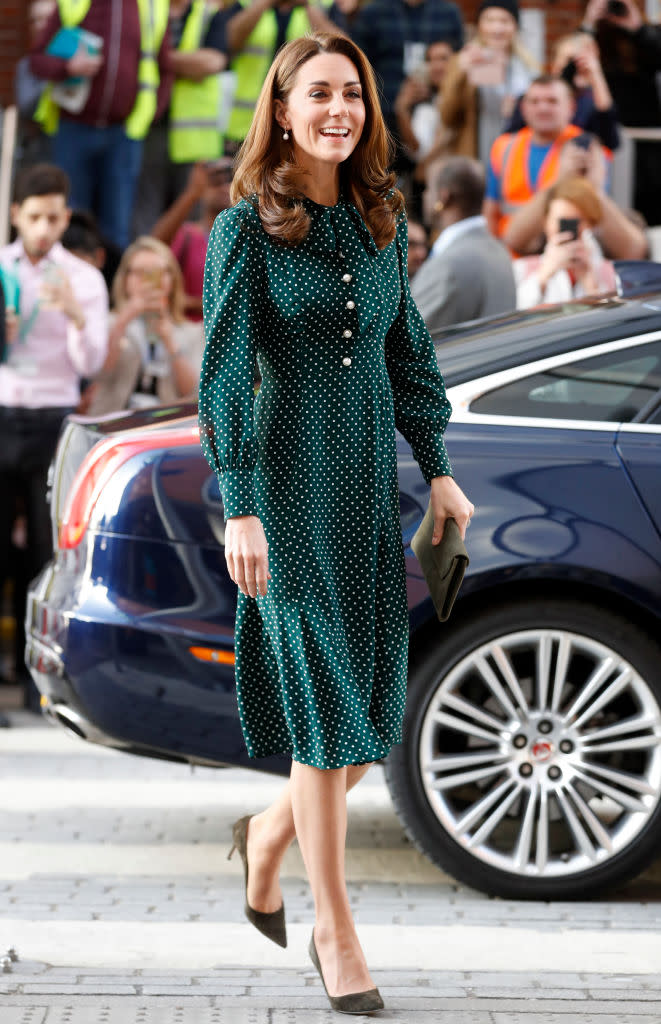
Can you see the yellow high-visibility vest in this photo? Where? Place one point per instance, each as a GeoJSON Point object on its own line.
{"type": "Point", "coordinates": [154, 16]}
{"type": "Point", "coordinates": [194, 106]}
{"type": "Point", "coordinates": [252, 63]}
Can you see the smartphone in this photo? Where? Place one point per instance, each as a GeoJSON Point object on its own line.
{"type": "Point", "coordinates": [569, 71]}
{"type": "Point", "coordinates": [154, 278]}
{"type": "Point", "coordinates": [421, 74]}
{"type": "Point", "coordinates": [583, 141]}
{"type": "Point", "coordinates": [617, 8]}
{"type": "Point", "coordinates": [569, 225]}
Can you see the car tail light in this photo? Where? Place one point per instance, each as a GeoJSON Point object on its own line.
{"type": "Point", "coordinates": [213, 654]}
{"type": "Point", "coordinates": [98, 466]}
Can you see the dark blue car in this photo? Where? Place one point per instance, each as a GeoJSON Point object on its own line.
{"type": "Point", "coordinates": [531, 761]}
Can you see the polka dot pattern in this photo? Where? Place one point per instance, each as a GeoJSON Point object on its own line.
{"type": "Point", "coordinates": [345, 357]}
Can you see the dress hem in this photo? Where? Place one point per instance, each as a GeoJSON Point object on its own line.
{"type": "Point", "coordinates": [311, 762]}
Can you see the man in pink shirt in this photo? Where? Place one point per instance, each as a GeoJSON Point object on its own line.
{"type": "Point", "coordinates": [56, 333]}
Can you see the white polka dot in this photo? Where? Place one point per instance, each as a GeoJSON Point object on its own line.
{"type": "Point", "coordinates": [345, 358]}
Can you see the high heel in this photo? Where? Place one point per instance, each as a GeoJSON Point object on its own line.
{"type": "Point", "coordinates": [353, 1002]}
{"type": "Point", "coordinates": [271, 925]}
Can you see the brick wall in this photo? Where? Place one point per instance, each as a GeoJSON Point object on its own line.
{"type": "Point", "coordinates": [13, 43]}
{"type": "Point", "coordinates": [561, 17]}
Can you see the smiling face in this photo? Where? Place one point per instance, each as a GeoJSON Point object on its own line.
{"type": "Point", "coordinates": [496, 28]}
{"type": "Point", "coordinates": [324, 111]}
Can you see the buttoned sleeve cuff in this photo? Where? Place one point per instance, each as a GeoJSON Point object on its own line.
{"type": "Point", "coordinates": [432, 457]}
{"type": "Point", "coordinates": [236, 487]}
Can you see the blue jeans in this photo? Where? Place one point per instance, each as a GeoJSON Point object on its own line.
{"type": "Point", "coordinates": [103, 166]}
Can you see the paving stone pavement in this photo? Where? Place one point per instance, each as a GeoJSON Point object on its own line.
{"type": "Point", "coordinates": [116, 891]}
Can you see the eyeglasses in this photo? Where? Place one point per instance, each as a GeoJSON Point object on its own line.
{"type": "Point", "coordinates": [148, 273]}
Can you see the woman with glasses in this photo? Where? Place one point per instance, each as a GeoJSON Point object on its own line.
{"type": "Point", "coordinates": [154, 353]}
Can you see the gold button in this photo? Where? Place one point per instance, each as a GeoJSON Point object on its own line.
{"type": "Point", "coordinates": [346, 278]}
{"type": "Point", "coordinates": [346, 361]}
{"type": "Point", "coordinates": [351, 304]}
{"type": "Point", "coordinates": [347, 333]}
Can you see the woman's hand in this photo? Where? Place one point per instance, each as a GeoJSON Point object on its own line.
{"type": "Point", "coordinates": [560, 250]}
{"type": "Point", "coordinates": [448, 501]}
{"type": "Point", "coordinates": [470, 55]}
{"type": "Point", "coordinates": [147, 300]}
{"type": "Point", "coordinates": [246, 554]}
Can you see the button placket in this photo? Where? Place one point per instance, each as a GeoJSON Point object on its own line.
{"type": "Point", "coordinates": [347, 278]}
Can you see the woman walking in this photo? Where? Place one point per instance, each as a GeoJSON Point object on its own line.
{"type": "Point", "coordinates": [306, 275]}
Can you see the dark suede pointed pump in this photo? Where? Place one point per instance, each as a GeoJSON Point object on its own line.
{"type": "Point", "coordinates": [271, 925]}
{"type": "Point", "coordinates": [353, 1002]}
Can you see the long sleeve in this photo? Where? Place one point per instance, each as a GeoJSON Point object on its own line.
{"type": "Point", "coordinates": [42, 64]}
{"type": "Point", "coordinates": [88, 347]}
{"type": "Point", "coordinates": [422, 409]}
{"type": "Point", "coordinates": [227, 381]}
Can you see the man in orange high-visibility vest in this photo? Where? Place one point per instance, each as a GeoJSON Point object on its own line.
{"type": "Point", "coordinates": [525, 162]}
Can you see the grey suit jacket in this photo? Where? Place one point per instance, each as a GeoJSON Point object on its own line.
{"type": "Point", "coordinates": [472, 278]}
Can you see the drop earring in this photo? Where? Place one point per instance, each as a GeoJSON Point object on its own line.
{"type": "Point", "coordinates": [285, 135]}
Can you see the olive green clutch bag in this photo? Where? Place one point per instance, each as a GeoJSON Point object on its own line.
{"type": "Point", "coordinates": [443, 564]}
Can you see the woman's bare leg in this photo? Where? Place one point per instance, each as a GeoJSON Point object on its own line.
{"type": "Point", "coordinates": [270, 835]}
{"type": "Point", "coordinates": [319, 804]}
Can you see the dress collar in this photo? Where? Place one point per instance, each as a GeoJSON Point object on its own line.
{"type": "Point", "coordinates": [326, 223]}
{"type": "Point", "coordinates": [325, 220]}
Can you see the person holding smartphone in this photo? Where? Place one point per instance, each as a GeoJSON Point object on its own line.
{"type": "Point", "coordinates": [576, 60]}
{"type": "Point", "coordinates": [417, 104]}
{"type": "Point", "coordinates": [572, 264]}
{"type": "Point", "coordinates": [154, 354]}
{"type": "Point", "coordinates": [484, 79]}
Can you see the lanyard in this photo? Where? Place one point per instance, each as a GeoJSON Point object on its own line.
{"type": "Point", "coordinates": [25, 325]}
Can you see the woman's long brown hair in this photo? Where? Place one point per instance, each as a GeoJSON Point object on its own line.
{"type": "Point", "coordinates": [266, 165]}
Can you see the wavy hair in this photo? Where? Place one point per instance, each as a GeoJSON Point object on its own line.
{"type": "Point", "coordinates": [266, 165]}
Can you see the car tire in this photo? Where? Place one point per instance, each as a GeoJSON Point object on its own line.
{"type": "Point", "coordinates": [611, 843]}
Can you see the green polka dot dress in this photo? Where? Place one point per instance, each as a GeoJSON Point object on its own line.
{"type": "Point", "coordinates": [345, 358]}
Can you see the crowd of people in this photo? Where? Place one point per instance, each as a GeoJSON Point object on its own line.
{"type": "Point", "coordinates": [132, 114]}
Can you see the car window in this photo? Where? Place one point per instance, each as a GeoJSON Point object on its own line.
{"type": "Point", "coordinates": [613, 387]}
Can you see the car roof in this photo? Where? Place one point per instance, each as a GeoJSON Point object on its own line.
{"type": "Point", "coordinates": [499, 343]}
{"type": "Point", "coordinates": [476, 348]}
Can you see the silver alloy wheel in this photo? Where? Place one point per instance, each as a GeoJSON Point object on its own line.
{"type": "Point", "coordinates": [540, 753]}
